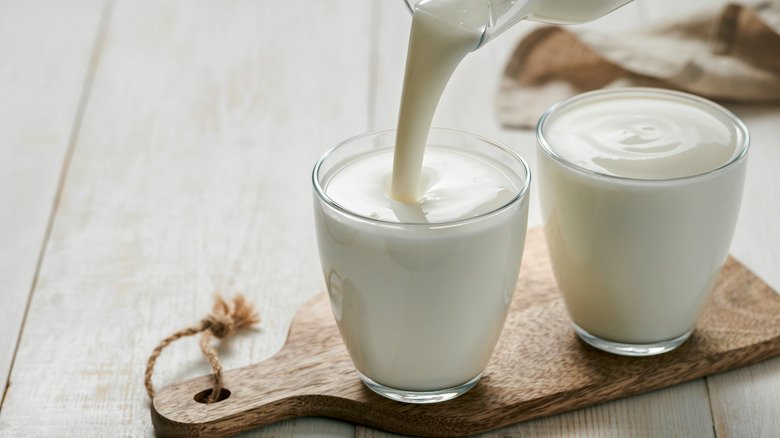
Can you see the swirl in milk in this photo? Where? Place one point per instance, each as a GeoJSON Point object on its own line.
{"type": "Point", "coordinates": [640, 137]}
{"type": "Point", "coordinates": [456, 185]}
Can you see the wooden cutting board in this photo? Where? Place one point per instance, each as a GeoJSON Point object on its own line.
{"type": "Point", "coordinates": [539, 367]}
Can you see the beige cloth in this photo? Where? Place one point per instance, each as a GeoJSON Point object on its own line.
{"type": "Point", "coordinates": [732, 54]}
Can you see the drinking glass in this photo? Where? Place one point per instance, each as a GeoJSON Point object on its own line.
{"type": "Point", "coordinates": [636, 259]}
{"type": "Point", "coordinates": [420, 305]}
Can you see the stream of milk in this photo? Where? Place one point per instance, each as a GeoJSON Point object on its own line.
{"type": "Point", "coordinates": [443, 33]}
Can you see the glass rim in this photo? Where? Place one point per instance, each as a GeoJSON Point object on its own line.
{"type": "Point", "coordinates": [743, 136]}
{"type": "Point", "coordinates": [521, 194]}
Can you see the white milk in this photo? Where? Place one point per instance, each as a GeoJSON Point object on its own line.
{"type": "Point", "coordinates": [455, 185]}
{"type": "Point", "coordinates": [420, 291]}
{"type": "Point", "coordinates": [443, 33]}
{"type": "Point", "coordinates": [643, 136]}
{"type": "Point", "coordinates": [637, 222]}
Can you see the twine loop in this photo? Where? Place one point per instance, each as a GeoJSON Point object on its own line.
{"type": "Point", "coordinates": [223, 320]}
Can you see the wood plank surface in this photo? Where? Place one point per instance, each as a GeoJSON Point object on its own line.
{"type": "Point", "coordinates": [191, 175]}
{"type": "Point", "coordinates": [38, 114]}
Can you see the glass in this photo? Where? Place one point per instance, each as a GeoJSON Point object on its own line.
{"type": "Point", "coordinates": [420, 305]}
{"type": "Point", "coordinates": [637, 258]}
{"type": "Point", "coordinates": [500, 15]}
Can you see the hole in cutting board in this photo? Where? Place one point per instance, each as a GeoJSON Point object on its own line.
{"type": "Point", "coordinates": [203, 396]}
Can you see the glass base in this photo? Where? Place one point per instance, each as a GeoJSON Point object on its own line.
{"type": "Point", "coordinates": [420, 397]}
{"type": "Point", "coordinates": [631, 349]}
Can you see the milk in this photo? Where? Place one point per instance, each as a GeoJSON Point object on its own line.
{"type": "Point", "coordinates": [643, 136]}
{"type": "Point", "coordinates": [443, 33]}
{"type": "Point", "coordinates": [640, 192]}
{"type": "Point", "coordinates": [420, 291]}
{"type": "Point", "coordinates": [456, 185]}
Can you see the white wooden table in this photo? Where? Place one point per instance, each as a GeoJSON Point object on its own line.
{"type": "Point", "coordinates": [153, 152]}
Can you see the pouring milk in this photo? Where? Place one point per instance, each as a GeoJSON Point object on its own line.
{"type": "Point", "coordinates": [421, 246]}
{"type": "Point", "coordinates": [443, 33]}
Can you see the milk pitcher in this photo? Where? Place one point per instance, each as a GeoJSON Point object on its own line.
{"type": "Point", "coordinates": [499, 15]}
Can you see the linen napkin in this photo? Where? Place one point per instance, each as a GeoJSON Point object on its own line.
{"type": "Point", "coordinates": [729, 54]}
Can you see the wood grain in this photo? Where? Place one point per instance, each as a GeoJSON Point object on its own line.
{"type": "Point", "coordinates": [539, 368]}
{"type": "Point", "coordinates": [190, 175]}
{"type": "Point", "coordinates": [38, 114]}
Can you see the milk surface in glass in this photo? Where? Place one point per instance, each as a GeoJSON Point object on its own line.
{"type": "Point", "coordinates": [420, 291]}
{"type": "Point", "coordinates": [640, 192]}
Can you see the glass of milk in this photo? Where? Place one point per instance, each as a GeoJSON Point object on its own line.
{"type": "Point", "coordinates": [420, 291]}
{"type": "Point", "coordinates": [640, 190]}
